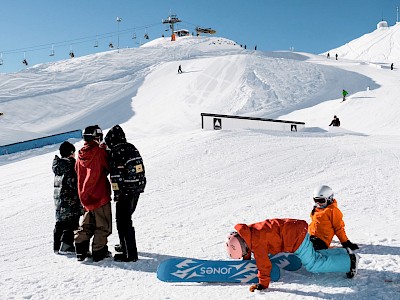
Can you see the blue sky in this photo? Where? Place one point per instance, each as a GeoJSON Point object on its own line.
{"type": "Point", "coordinates": [30, 28]}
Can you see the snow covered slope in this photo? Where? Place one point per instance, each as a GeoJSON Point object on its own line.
{"type": "Point", "coordinates": [380, 46]}
{"type": "Point", "coordinates": [201, 183]}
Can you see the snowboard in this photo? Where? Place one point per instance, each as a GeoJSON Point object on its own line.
{"type": "Point", "coordinates": [232, 271]}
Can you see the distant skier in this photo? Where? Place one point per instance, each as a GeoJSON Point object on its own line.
{"type": "Point", "coordinates": [335, 122]}
{"type": "Point", "coordinates": [328, 55]}
{"type": "Point", "coordinates": [344, 93]}
{"type": "Point", "coordinates": [336, 56]}
{"type": "Point", "coordinates": [391, 66]}
{"type": "Point", "coordinates": [180, 69]}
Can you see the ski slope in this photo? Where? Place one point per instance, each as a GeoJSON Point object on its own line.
{"type": "Point", "coordinates": [201, 183]}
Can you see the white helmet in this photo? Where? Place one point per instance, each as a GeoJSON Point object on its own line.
{"type": "Point", "coordinates": [323, 193]}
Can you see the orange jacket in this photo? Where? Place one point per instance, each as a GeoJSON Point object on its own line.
{"type": "Point", "coordinates": [327, 222]}
{"type": "Point", "coordinates": [271, 237]}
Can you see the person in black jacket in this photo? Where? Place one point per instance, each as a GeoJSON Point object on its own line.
{"type": "Point", "coordinates": [335, 122]}
{"type": "Point", "coordinates": [128, 181]}
{"type": "Point", "coordinates": [66, 200]}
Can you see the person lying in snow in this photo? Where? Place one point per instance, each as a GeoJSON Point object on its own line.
{"type": "Point", "coordinates": [273, 236]}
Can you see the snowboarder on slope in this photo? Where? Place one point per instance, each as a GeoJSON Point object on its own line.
{"type": "Point", "coordinates": [327, 221]}
{"type": "Point", "coordinates": [180, 69]}
{"type": "Point", "coordinates": [344, 94]}
{"type": "Point", "coordinates": [335, 122]}
{"type": "Point", "coordinates": [273, 236]}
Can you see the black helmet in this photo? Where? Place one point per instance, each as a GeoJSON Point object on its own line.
{"type": "Point", "coordinates": [92, 133]}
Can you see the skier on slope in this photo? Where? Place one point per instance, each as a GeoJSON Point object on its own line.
{"type": "Point", "coordinates": [273, 236]}
{"type": "Point", "coordinates": [327, 221]}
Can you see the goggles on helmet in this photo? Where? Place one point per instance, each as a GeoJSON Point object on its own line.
{"type": "Point", "coordinates": [320, 200]}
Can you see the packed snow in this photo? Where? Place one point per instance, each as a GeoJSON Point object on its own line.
{"type": "Point", "coordinates": [203, 182]}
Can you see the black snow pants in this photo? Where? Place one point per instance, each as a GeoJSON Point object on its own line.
{"type": "Point", "coordinates": [124, 208]}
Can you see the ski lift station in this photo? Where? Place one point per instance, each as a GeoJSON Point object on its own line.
{"type": "Point", "coordinates": [182, 32]}
{"type": "Point", "coordinates": [382, 25]}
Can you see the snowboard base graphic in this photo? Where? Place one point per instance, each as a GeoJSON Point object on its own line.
{"type": "Point", "coordinates": [233, 271]}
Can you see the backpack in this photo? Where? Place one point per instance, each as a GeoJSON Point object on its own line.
{"type": "Point", "coordinates": [127, 169]}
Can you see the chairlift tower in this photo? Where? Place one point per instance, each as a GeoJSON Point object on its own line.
{"type": "Point", "coordinates": [118, 21]}
{"type": "Point", "coordinates": [171, 20]}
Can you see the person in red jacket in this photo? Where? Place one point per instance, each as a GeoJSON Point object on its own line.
{"type": "Point", "coordinates": [327, 221]}
{"type": "Point", "coordinates": [273, 236]}
{"type": "Point", "coordinates": [94, 190]}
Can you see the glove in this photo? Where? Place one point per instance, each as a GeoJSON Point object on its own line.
{"type": "Point", "coordinates": [350, 245]}
{"type": "Point", "coordinates": [256, 287]}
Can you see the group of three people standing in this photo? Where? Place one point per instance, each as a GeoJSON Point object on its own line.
{"type": "Point", "coordinates": [85, 183]}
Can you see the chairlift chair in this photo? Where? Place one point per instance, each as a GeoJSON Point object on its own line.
{"type": "Point", "coordinates": [52, 51]}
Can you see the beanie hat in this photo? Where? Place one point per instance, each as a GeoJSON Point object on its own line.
{"type": "Point", "coordinates": [66, 149]}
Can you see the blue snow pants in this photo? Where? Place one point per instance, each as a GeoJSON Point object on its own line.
{"type": "Point", "coordinates": [330, 260]}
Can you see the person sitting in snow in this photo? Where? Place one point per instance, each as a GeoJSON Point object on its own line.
{"type": "Point", "coordinates": [335, 122]}
{"type": "Point", "coordinates": [66, 200]}
{"type": "Point", "coordinates": [273, 236]}
{"type": "Point", "coordinates": [327, 221]}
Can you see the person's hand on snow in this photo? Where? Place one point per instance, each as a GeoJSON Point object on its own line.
{"type": "Point", "coordinates": [257, 287]}
{"type": "Point", "coordinates": [350, 245]}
